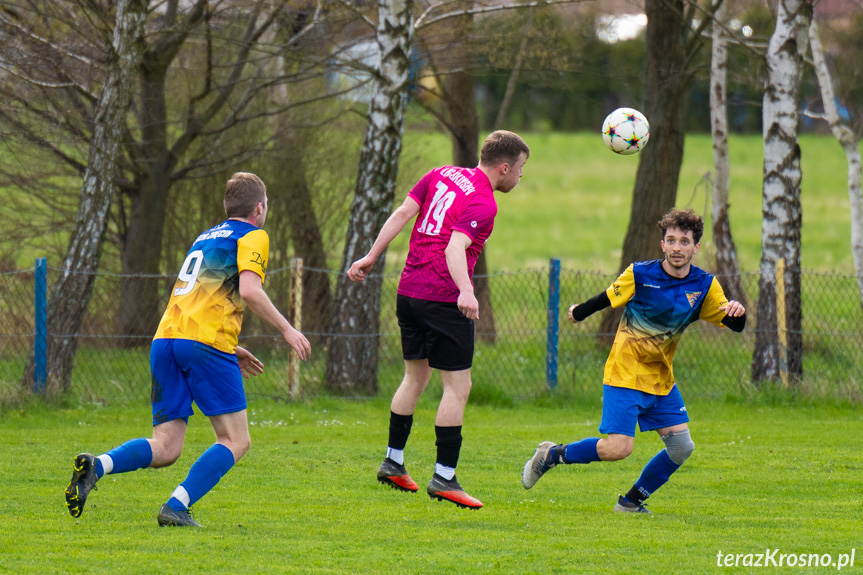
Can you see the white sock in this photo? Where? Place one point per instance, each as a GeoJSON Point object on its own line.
{"type": "Point", "coordinates": [444, 471]}
{"type": "Point", "coordinates": [397, 455]}
{"type": "Point", "coordinates": [182, 495]}
{"type": "Point", "coordinates": [107, 463]}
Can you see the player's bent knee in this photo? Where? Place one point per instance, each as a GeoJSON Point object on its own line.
{"type": "Point", "coordinates": [164, 459]}
{"type": "Point", "coordinates": [679, 446]}
{"type": "Point", "coordinates": [240, 448]}
{"type": "Point", "coordinates": [623, 452]}
{"type": "Point", "coordinates": [615, 450]}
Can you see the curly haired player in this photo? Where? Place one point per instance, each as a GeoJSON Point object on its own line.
{"type": "Point", "coordinates": [662, 297]}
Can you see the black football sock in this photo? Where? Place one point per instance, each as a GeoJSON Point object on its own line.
{"type": "Point", "coordinates": [635, 496]}
{"type": "Point", "coordinates": [400, 429]}
{"type": "Point", "coordinates": [448, 445]}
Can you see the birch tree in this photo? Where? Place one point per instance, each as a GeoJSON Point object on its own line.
{"type": "Point", "coordinates": [845, 135]}
{"type": "Point", "coordinates": [353, 351]}
{"type": "Point", "coordinates": [726, 252]}
{"type": "Point", "coordinates": [205, 76]}
{"type": "Point", "coordinates": [781, 212]}
{"type": "Point", "coordinates": [70, 296]}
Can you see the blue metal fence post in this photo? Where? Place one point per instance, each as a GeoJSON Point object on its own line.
{"type": "Point", "coordinates": [40, 341]}
{"type": "Point", "coordinates": [552, 323]}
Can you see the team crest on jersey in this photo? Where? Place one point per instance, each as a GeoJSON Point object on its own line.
{"type": "Point", "coordinates": [692, 296]}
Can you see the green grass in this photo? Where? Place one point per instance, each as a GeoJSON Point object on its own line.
{"type": "Point", "coordinates": [304, 500]}
{"type": "Point", "coordinates": [574, 200]}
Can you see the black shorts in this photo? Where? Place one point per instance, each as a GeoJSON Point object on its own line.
{"type": "Point", "coordinates": [436, 331]}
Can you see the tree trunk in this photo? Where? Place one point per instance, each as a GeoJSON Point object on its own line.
{"type": "Point", "coordinates": [140, 286]}
{"type": "Point", "coordinates": [727, 269]}
{"type": "Point", "coordinates": [305, 233]}
{"type": "Point", "coordinates": [781, 213]}
{"type": "Point", "coordinates": [666, 83]}
{"type": "Point", "coordinates": [157, 158]}
{"type": "Point", "coordinates": [71, 295]}
{"type": "Point", "coordinates": [846, 139]}
{"type": "Point", "coordinates": [512, 82]}
{"type": "Point", "coordinates": [461, 102]}
{"type": "Point", "coordinates": [352, 360]}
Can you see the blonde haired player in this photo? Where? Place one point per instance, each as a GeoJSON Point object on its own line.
{"type": "Point", "coordinates": [195, 357]}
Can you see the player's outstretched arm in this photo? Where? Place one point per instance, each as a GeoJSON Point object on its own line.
{"type": "Point", "coordinates": [394, 224]}
{"type": "Point", "coordinates": [252, 292]}
{"type": "Point", "coordinates": [580, 312]}
{"type": "Point", "coordinates": [249, 364]}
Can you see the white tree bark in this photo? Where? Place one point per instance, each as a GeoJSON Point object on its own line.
{"type": "Point", "coordinates": [352, 359]}
{"type": "Point", "coordinates": [846, 139]}
{"type": "Point", "coordinates": [71, 295]}
{"type": "Point", "coordinates": [781, 212]}
{"type": "Point", "coordinates": [726, 253]}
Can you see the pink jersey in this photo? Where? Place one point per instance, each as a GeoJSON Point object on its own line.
{"type": "Point", "coordinates": [450, 199]}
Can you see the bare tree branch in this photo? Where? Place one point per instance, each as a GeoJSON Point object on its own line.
{"type": "Point", "coordinates": [42, 142]}
{"type": "Point", "coordinates": [195, 123]}
{"type": "Point", "coordinates": [352, 7]}
{"type": "Point", "coordinates": [419, 24]}
{"type": "Point", "coordinates": [44, 41]}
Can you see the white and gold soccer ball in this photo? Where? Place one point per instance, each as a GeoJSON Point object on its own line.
{"type": "Point", "coordinates": [625, 131]}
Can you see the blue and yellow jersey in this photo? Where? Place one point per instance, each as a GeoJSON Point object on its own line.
{"type": "Point", "coordinates": [205, 304]}
{"type": "Point", "coordinates": [658, 308]}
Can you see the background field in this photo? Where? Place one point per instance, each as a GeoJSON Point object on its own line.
{"type": "Point", "coordinates": [574, 201]}
{"type": "Point", "coordinates": [305, 500]}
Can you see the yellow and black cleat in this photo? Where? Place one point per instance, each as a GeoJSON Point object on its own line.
{"type": "Point", "coordinates": [83, 480]}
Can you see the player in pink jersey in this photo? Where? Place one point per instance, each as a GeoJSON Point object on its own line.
{"type": "Point", "coordinates": [436, 306]}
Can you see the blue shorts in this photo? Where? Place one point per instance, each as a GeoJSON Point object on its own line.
{"type": "Point", "coordinates": [622, 407]}
{"type": "Point", "coordinates": [184, 371]}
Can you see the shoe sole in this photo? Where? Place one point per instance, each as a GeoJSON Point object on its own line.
{"type": "Point", "coordinates": [76, 507]}
{"type": "Point", "coordinates": [458, 503]}
{"type": "Point", "coordinates": [529, 466]}
{"type": "Point", "coordinates": [396, 486]}
{"type": "Point", "coordinates": [170, 524]}
{"type": "Point", "coordinates": [618, 508]}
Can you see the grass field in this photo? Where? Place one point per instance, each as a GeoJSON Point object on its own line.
{"type": "Point", "coordinates": [782, 472]}
{"type": "Point", "coordinates": [304, 500]}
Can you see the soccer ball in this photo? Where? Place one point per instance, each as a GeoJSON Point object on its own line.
{"type": "Point", "coordinates": [625, 131]}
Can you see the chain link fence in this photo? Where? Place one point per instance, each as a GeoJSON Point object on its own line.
{"type": "Point", "coordinates": [512, 362]}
